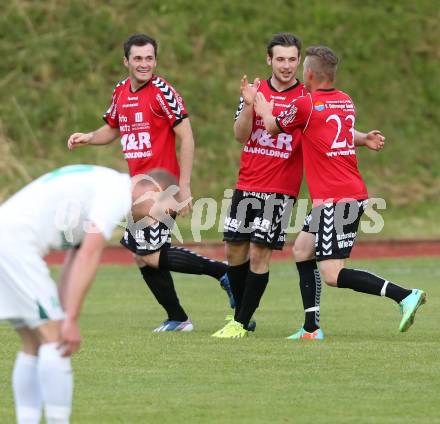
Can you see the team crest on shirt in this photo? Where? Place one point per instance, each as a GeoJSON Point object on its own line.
{"type": "Point", "coordinates": [319, 106]}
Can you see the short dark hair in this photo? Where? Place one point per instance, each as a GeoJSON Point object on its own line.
{"type": "Point", "coordinates": [324, 62]}
{"type": "Point", "coordinates": [284, 39]}
{"type": "Point", "coordinates": [139, 40]}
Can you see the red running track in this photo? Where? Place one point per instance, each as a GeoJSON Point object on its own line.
{"type": "Point", "coordinates": [362, 250]}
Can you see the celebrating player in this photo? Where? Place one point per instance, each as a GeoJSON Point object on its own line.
{"type": "Point", "coordinates": [75, 208]}
{"type": "Point", "coordinates": [147, 113]}
{"type": "Point", "coordinates": [268, 183]}
{"type": "Point", "coordinates": [326, 118]}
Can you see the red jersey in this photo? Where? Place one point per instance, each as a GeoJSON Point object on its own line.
{"type": "Point", "coordinates": [145, 119]}
{"type": "Point", "coordinates": [327, 118]}
{"type": "Point", "coordinates": [272, 164]}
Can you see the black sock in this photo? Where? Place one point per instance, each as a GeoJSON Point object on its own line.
{"type": "Point", "coordinates": [310, 286]}
{"type": "Point", "coordinates": [365, 282]}
{"type": "Point", "coordinates": [182, 260]}
{"type": "Point", "coordinates": [161, 285]}
{"type": "Point", "coordinates": [237, 277]}
{"type": "Point", "coordinates": [253, 292]}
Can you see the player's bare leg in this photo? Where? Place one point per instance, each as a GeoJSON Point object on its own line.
{"type": "Point", "coordinates": [260, 256]}
{"type": "Point", "coordinates": [148, 260]}
{"type": "Point", "coordinates": [237, 252]}
{"type": "Point", "coordinates": [304, 247]}
{"type": "Point", "coordinates": [30, 341]}
{"type": "Point", "coordinates": [330, 270]}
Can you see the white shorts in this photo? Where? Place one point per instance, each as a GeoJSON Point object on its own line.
{"type": "Point", "coordinates": [28, 295]}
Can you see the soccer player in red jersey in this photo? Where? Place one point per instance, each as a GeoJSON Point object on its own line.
{"type": "Point", "coordinates": [326, 118]}
{"type": "Point", "coordinates": [147, 113]}
{"type": "Point", "coordinates": [268, 182]}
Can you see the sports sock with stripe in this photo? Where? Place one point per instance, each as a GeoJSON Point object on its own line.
{"type": "Point", "coordinates": [310, 286]}
{"type": "Point", "coordinates": [366, 282]}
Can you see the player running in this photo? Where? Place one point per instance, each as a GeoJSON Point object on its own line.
{"type": "Point", "coordinates": [326, 118]}
{"type": "Point", "coordinates": [74, 208]}
{"type": "Point", "coordinates": [147, 114]}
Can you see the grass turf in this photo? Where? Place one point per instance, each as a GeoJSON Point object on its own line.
{"type": "Point", "coordinates": [364, 372]}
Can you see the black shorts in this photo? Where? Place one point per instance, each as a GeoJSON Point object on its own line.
{"type": "Point", "coordinates": [148, 240]}
{"type": "Point", "coordinates": [335, 227]}
{"type": "Point", "coordinates": [257, 217]}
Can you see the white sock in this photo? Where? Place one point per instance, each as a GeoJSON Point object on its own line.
{"type": "Point", "coordinates": [26, 389]}
{"type": "Point", "coordinates": [56, 382]}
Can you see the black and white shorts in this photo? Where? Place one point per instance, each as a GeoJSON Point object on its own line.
{"type": "Point", "coordinates": [257, 217]}
{"type": "Point", "coordinates": [335, 227]}
{"type": "Point", "coordinates": [146, 241]}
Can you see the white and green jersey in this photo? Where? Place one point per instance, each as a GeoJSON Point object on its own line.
{"type": "Point", "coordinates": [56, 210]}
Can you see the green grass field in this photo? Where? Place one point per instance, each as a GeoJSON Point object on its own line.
{"type": "Point", "coordinates": [364, 372]}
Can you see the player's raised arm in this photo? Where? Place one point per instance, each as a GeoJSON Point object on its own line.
{"type": "Point", "coordinates": [184, 133]}
{"type": "Point", "coordinates": [244, 114]}
{"type": "Point", "coordinates": [374, 139]}
{"type": "Point", "coordinates": [78, 281]}
{"type": "Point", "coordinates": [104, 135]}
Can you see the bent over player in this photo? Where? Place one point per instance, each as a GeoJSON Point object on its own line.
{"type": "Point", "coordinates": [147, 114]}
{"type": "Point", "coordinates": [74, 208]}
{"type": "Point", "coordinates": [326, 117]}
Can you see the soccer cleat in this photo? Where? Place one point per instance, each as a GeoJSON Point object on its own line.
{"type": "Point", "coordinates": [251, 326]}
{"type": "Point", "coordinates": [408, 308]}
{"type": "Point", "coordinates": [302, 334]}
{"type": "Point", "coordinates": [169, 325]}
{"type": "Point", "coordinates": [226, 286]}
{"type": "Point", "coordinates": [232, 330]}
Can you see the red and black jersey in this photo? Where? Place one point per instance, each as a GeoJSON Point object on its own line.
{"type": "Point", "coordinates": [327, 118]}
{"type": "Point", "coordinates": [272, 164]}
{"type": "Point", "coordinates": [145, 119]}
